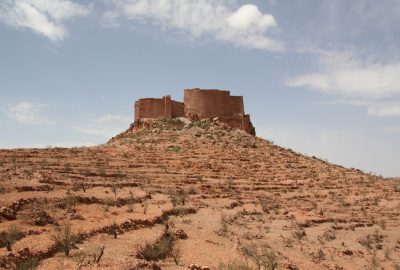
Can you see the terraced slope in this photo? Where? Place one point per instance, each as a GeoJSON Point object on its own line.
{"type": "Point", "coordinates": [228, 191]}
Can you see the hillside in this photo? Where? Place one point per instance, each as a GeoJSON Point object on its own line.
{"type": "Point", "coordinates": [222, 192]}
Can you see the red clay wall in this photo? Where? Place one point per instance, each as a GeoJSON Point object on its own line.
{"type": "Point", "coordinates": [158, 108]}
{"type": "Point", "coordinates": [153, 108]}
{"type": "Point", "coordinates": [177, 109]}
{"type": "Point", "coordinates": [212, 103]}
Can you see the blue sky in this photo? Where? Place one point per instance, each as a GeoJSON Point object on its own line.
{"type": "Point", "coordinates": [320, 77]}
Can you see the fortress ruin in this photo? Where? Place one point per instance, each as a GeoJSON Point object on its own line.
{"type": "Point", "coordinates": [198, 104]}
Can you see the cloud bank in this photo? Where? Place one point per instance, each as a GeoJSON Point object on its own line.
{"type": "Point", "coordinates": [27, 113]}
{"type": "Point", "coordinates": [344, 74]}
{"type": "Point", "coordinates": [221, 20]}
{"type": "Point", "coordinates": [245, 26]}
{"type": "Point", "coordinates": [359, 82]}
{"type": "Point", "coordinates": [44, 17]}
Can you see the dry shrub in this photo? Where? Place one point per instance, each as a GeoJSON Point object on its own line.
{"type": "Point", "coordinates": [235, 265]}
{"type": "Point", "coordinates": [255, 257]}
{"type": "Point", "coordinates": [181, 211]}
{"type": "Point", "coordinates": [261, 255]}
{"type": "Point", "coordinates": [160, 250]}
{"type": "Point", "coordinates": [10, 236]}
{"type": "Point", "coordinates": [64, 238]}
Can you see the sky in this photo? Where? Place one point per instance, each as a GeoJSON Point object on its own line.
{"type": "Point", "coordinates": [319, 77]}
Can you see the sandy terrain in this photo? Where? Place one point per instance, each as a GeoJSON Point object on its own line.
{"type": "Point", "coordinates": [219, 193]}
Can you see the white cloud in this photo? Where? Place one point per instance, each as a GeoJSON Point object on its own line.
{"type": "Point", "coordinates": [359, 82]}
{"type": "Point", "coordinates": [27, 113]}
{"type": "Point", "coordinates": [392, 129]}
{"type": "Point", "coordinates": [44, 17]}
{"type": "Point", "coordinates": [384, 109]}
{"type": "Point", "coordinates": [246, 26]}
{"type": "Point", "coordinates": [105, 126]}
{"type": "Point", "coordinates": [374, 107]}
{"type": "Point", "coordinates": [345, 75]}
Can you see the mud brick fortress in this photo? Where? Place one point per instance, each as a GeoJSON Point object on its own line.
{"type": "Point", "coordinates": [198, 104]}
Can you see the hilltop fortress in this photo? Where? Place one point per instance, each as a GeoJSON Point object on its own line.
{"type": "Point", "coordinates": [198, 104]}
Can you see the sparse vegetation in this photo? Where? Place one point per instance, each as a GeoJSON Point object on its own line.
{"type": "Point", "coordinates": [162, 249]}
{"type": "Point", "coordinates": [107, 203]}
{"type": "Point", "coordinates": [176, 254]}
{"type": "Point", "coordinates": [90, 256]}
{"type": "Point", "coordinates": [64, 238]}
{"type": "Point", "coordinates": [28, 263]}
{"type": "Point", "coordinates": [255, 257]}
{"type": "Point", "coordinates": [9, 237]}
{"type": "Point", "coordinates": [130, 205]}
{"type": "Point", "coordinates": [175, 148]}
{"type": "Point", "coordinates": [200, 124]}
{"type": "Point", "coordinates": [261, 255]}
{"type": "Point", "coordinates": [145, 205]}
{"type": "Point", "coordinates": [366, 241]}
{"type": "Point", "coordinates": [299, 233]}
{"type": "Point", "coordinates": [230, 183]}
{"type": "Point", "coordinates": [181, 211]}
{"type": "Point", "coordinates": [67, 202]}
{"type": "Point", "coordinates": [114, 189]}
{"type": "Point", "coordinates": [97, 257]}
{"type": "Point", "coordinates": [179, 198]}
{"type": "Point", "coordinates": [199, 178]}
{"type": "Point", "coordinates": [224, 223]}
{"type": "Point", "coordinates": [374, 265]}
{"type": "Point", "coordinates": [235, 265]}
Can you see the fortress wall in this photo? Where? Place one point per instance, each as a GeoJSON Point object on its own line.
{"type": "Point", "coordinates": [153, 108]}
{"type": "Point", "coordinates": [211, 103]}
{"type": "Point", "coordinates": [234, 106]}
{"type": "Point", "coordinates": [177, 109]}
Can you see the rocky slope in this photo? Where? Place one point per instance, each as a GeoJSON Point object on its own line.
{"type": "Point", "coordinates": [224, 197]}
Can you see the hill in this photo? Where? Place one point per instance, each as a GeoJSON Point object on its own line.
{"type": "Point", "coordinates": [196, 194]}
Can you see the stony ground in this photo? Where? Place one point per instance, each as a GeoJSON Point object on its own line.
{"type": "Point", "coordinates": [222, 198]}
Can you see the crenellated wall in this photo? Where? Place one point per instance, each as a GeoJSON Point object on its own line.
{"type": "Point", "coordinates": [198, 104]}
